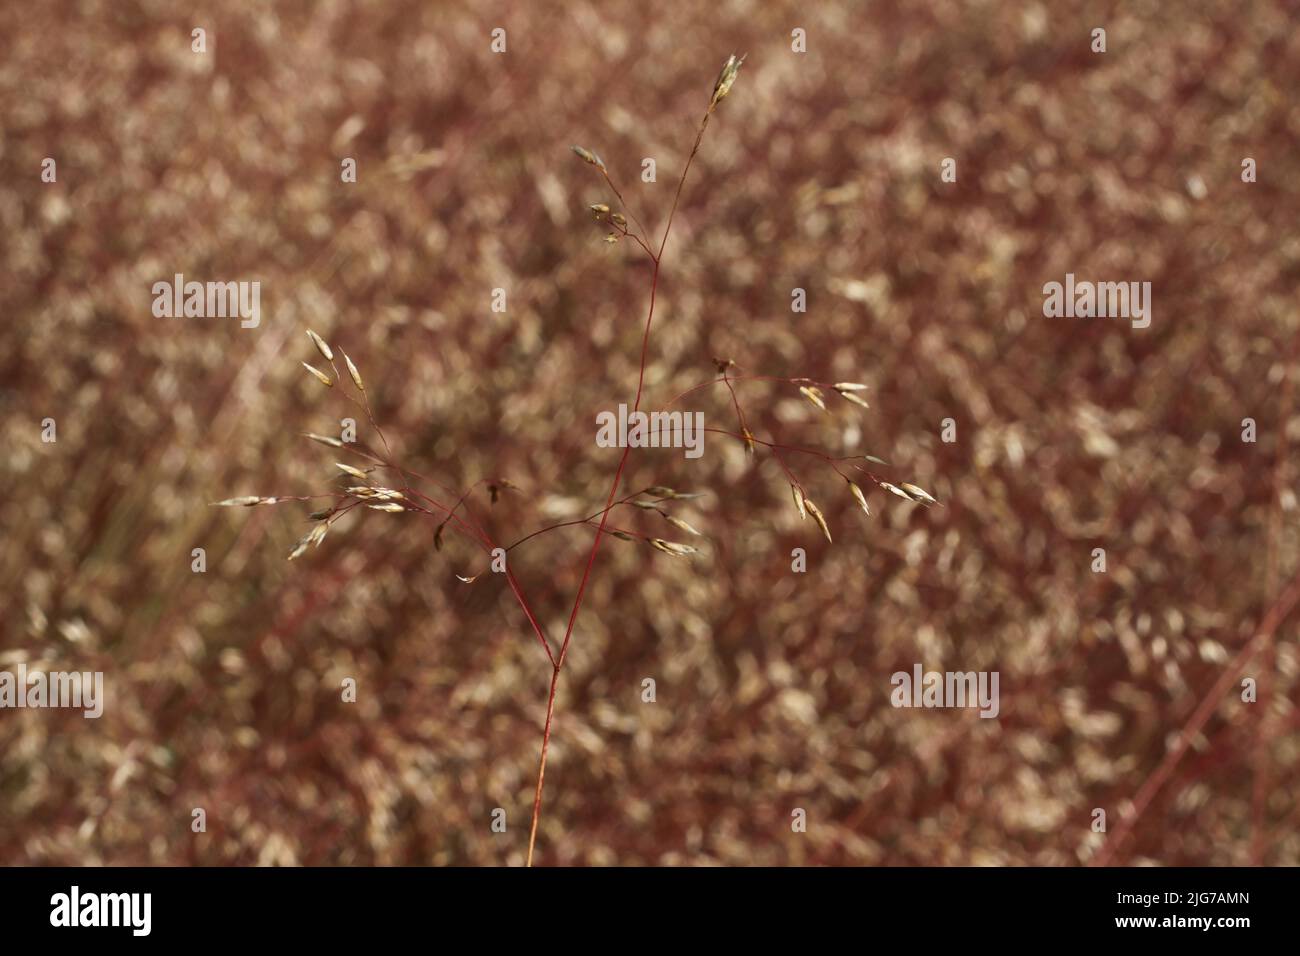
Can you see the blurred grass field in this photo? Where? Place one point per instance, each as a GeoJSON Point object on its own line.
{"type": "Point", "coordinates": [820, 172]}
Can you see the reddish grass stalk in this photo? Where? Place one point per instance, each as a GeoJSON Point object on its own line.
{"type": "Point", "coordinates": [657, 258]}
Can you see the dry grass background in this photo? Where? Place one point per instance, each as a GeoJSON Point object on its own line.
{"type": "Point", "coordinates": [821, 172]}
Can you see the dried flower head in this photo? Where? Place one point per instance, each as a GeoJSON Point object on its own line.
{"type": "Point", "coordinates": [861, 498]}
{"type": "Point", "coordinates": [818, 517]}
{"type": "Point", "coordinates": [352, 371]}
{"type": "Point", "coordinates": [587, 156]}
{"type": "Point", "coordinates": [321, 346]}
{"type": "Point", "coordinates": [814, 395]}
{"type": "Point", "coordinates": [722, 86]}
{"type": "Point", "coordinates": [320, 376]}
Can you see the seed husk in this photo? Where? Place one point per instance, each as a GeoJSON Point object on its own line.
{"type": "Point", "coordinates": [587, 156]}
{"type": "Point", "coordinates": [817, 516]}
{"type": "Point", "coordinates": [798, 501]}
{"type": "Point", "coordinates": [324, 440]}
{"type": "Point", "coordinates": [861, 498]}
{"type": "Point", "coordinates": [896, 490]}
{"type": "Point", "coordinates": [674, 548]}
{"type": "Point", "coordinates": [722, 85]}
{"type": "Point", "coordinates": [920, 494]}
{"type": "Point", "coordinates": [814, 395]}
{"type": "Point", "coordinates": [320, 376]}
{"type": "Point", "coordinates": [349, 470]}
{"type": "Point", "coordinates": [321, 345]}
{"type": "Point", "coordinates": [684, 526]}
{"type": "Point", "coordinates": [855, 399]}
{"type": "Point", "coordinates": [352, 371]}
{"type": "Point", "coordinates": [850, 387]}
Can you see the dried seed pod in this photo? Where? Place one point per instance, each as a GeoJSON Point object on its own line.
{"type": "Point", "coordinates": [349, 470]}
{"type": "Point", "coordinates": [674, 548]}
{"type": "Point", "coordinates": [861, 498]}
{"type": "Point", "coordinates": [599, 209]}
{"type": "Point", "coordinates": [320, 376]}
{"type": "Point", "coordinates": [321, 346]}
{"type": "Point", "coordinates": [896, 490]}
{"type": "Point", "coordinates": [813, 394]}
{"type": "Point", "coordinates": [920, 494]}
{"type": "Point", "coordinates": [352, 371]}
{"type": "Point", "coordinates": [617, 219]}
{"type": "Point", "coordinates": [722, 85]}
{"type": "Point", "coordinates": [684, 526]}
{"type": "Point", "coordinates": [850, 387]}
{"type": "Point", "coordinates": [644, 505]}
{"type": "Point", "coordinates": [855, 399]}
{"type": "Point", "coordinates": [587, 156]}
{"type": "Point", "coordinates": [324, 440]}
{"type": "Point", "coordinates": [298, 549]}
{"type": "Point", "coordinates": [246, 501]}
{"type": "Point", "coordinates": [817, 516]}
{"type": "Point", "coordinates": [798, 501]}
{"type": "Point", "coordinates": [874, 460]}
{"type": "Point", "coordinates": [387, 506]}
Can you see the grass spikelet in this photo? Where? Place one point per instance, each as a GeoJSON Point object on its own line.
{"type": "Point", "coordinates": [722, 85]}
{"type": "Point", "coordinates": [324, 440]}
{"type": "Point", "coordinates": [587, 156]}
{"type": "Point", "coordinates": [813, 394]}
{"type": "Point", "coordinates": [751, 446]}
{"type": "Point", "coordinates": [682, 525]}
{"type": "Point", "coordinates": [392, 506]}
{"type": "Point", "coordinates": [798, 501]}
{"type": "Point", "coordinates": [859, 496]}
{"type": "Point", "coordinates": [855, 399]}
{"type": "Point", "coordinates": [321, 345]}
{"type": "Point", "coordinates": [896, 490]}
{"type": "Point", "coordinates": [674, 548]}
{"type": "Point", "coordinates": [320, 376]}
{"type": "Point", "coordinates": [920, 494]}
{"type": "Point", "coordinates": [352, 371]}
{"type": "Point", "coordinates": [842, 387]}
{"type": "Point", "coordinates": [818, 517]}
{"type": "Point", "coordinates": [349, 470]}
{"type": "Point", "coordinates": [245, 501]}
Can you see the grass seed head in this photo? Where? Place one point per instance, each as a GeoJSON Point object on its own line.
{"type": "Point", "coordinates": [920, 494]}
{"type": "Point", "coordinates": [320, 376]}
{"type": "Point", "coordinates": [349, 470]}
{"type": "Point", "coordinates": [352, 371]}
{"type": "Point", "coordinates": [818, 517]}
{"type": "Point", "coordinates": [798, 501]}
{"type": "Point", "coordinates": [722, 85]}
{"type": "Point", "coordinates": [859, 496]}
{"type": "Point", "coordinates": [813, 394]}
{"type": "Point", "coordinates": [321, 345]}
{"type": "Point", "coordinates": [587, 156]}
{"type": "Point", "coordinates": [324, 440]}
